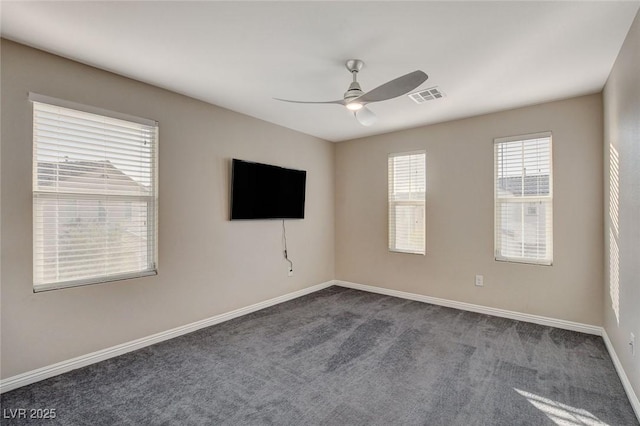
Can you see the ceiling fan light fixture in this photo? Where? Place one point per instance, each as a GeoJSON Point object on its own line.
{"type": "Point", "coordinates": [354, 106]}
{"type": "Point", "coordinates": [365, 116]}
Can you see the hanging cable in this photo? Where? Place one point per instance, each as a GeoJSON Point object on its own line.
{"type": "Point", "coordinates": [284, 240]}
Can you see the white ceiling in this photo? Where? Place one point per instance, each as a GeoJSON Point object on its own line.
{"type": "Point", "coordinates": [485, 56]}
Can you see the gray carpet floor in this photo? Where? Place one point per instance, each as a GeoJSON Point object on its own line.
{"type": "Point", "coordinates": [346, 357]}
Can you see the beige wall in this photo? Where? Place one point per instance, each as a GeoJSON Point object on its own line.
{"type": "Point", "coordinates": [460, 213]}
{"type": "Point", "coordinates": [622, 252]}
{"type": "Point", "coordinates": [207, 264]}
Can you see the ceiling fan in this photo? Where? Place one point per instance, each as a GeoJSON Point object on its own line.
{"type": "Point", "coordinates": [355, 99]}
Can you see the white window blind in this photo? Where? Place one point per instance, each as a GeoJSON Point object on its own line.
{"type": "Point", "coordinates": [407, 192]}
{"type": "Point", "coordinates": [524, 199]}
{"type": "Point", "coordinates": [94, 196]}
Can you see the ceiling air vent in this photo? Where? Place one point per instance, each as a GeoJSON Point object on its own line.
{"type": "Point", "coordinates": [429, 94]}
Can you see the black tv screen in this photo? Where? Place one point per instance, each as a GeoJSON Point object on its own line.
{"type": "Point", "coordinates": [263, 191]}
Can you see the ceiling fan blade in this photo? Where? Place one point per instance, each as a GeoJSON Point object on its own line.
{"type": "Point", "coordinates": [395, 88]}
{"type": "Point", "coordinates": [365, 116]}
{"type": "Point", "coordinates": [339, 102]}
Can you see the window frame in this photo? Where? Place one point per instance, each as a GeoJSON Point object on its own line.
{"type": "Point", "coordinates": [545, 201]}
{"type": "Point", "coordinates": [392, 203]}
{"type": "Point", "coordinates": [151, 201]}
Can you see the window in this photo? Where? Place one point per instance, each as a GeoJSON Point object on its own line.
{"type": "Point", "coordinates": [524, 199]}
{"type": "Point", "coordinates": [407, 189]}
{"type": "Point", "coordinates": [94, 195]}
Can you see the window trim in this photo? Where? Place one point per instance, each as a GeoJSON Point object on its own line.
{"type": "Point", "coordinates": [151, 201]}
{"type": "Point", "coordinates": [390, 202]}
{"type": "Point", "coordinates": [49, 100]}
{"type": "Point", "coordinates": [496, 225]}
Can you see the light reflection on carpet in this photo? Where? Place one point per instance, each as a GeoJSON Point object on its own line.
{"type": "Point", "coordinates": [562, 414]}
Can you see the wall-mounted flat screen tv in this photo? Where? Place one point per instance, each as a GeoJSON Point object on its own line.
{"type": "Point", "coordinates": [263, 191]}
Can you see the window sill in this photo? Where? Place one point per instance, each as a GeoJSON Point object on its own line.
{"type": "Point", "coordinates": [542, 262]}
{"type": "Point", "coordinates": [78, 283]}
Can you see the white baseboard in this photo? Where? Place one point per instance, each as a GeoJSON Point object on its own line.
{"type": "Point", "coordinates": [633, 398]}
{"type": "Point", "coordinates": [101, 355]}
{"type": "Point", "coordinates": [537, 319]}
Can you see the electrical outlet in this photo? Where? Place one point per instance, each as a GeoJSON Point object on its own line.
{"type": "Point", "coordinates": [632, 343]}
{"type": "Point", "coordinates": [290, 273]}
{"type": "Point", "coordinates": [479, 280]}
